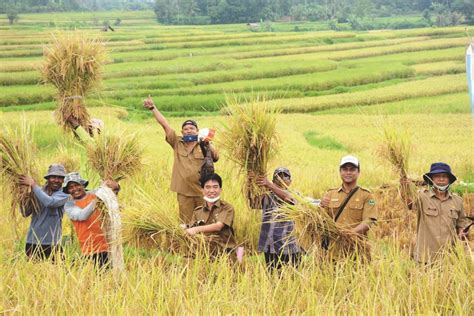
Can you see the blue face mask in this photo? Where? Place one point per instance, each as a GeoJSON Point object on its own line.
{"type": "Point", "coordinates": [190, 138]}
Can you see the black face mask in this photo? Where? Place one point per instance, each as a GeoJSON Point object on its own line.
{"type": "Point", "coordinates": [190, 138]}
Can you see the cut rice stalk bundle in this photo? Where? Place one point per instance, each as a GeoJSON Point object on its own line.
{"type": "Point", "coordinates": [73, 64]}
{"type": "Point", "coordinates": [149, 220]}
{"type": "Point", "coordinates": [115, 157]}
{"type": "Point", "coordinates": [250, 140]}
{"type": "Point", "coordinates": [313, 224]}
{"type": "Point", "coordinates": [17, 154]}
{"type": "Point", "coordinates": [396, 148]}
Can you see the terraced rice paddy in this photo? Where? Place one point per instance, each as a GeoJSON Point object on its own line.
{"type": "Point", "coordinates": [192, 69]}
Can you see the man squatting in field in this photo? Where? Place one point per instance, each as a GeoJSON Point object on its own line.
{"type": "Point", "coordinates": [86, 217]}
{"type": "Point", "coordinates": [188, 159]}
{"type": "Point", "coordinates": [214, 217]}
{"type": "Point", "coordinates": [45, 231]}
{"type": "Point", "coordinates": [275, 241]}
{"type": "Point", "coordinates": [440, 213]}
{"type": "Point", "coordinates": [349, 205]}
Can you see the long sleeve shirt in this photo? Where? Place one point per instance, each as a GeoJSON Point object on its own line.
{"type": "Point", "coordinates": [45, 227]}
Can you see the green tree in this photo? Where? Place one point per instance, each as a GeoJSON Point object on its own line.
{"type": "Point", "coordinates": [12, 16]}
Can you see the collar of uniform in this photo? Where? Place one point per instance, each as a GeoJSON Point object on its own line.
{"type": "Point", "coordinates": [217, 204]}
{"type": "Point", "coordinates": [340, 189]}
{"type": "Point", "coordinates": [432, 194]}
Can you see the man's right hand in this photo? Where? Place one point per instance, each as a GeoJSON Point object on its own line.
{"type": "Point", "coordinates": [148, 103]}
{"type": "Point", "coordinates": [325, 201]}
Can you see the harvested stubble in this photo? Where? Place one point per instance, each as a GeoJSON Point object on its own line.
{"type": "Point", "coordinates": [250, 139]}
{"type": "Point", "coordinates": [313, 224]}
{"type": "Point", "coordinates": [73, 65]}
{"type": "Point", "coordinates": [17, 158]}
{"type": "Point", "coordinates": [115, 157]}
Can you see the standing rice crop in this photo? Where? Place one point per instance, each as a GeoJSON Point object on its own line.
{"type": "Point", "coordinates": [17, 154]}
{"type": "Point", "coordinates": [73, 64]}
{"type": "Point", "coordinates": [250, 139]}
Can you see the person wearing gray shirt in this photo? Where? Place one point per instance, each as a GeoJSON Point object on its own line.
{"type": "Point", "coordinates": [45, 231]}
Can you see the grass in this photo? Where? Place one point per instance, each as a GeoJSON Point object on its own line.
{"type": "Point", "coordinates": [323, 141]}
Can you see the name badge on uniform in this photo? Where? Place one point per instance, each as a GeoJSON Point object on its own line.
{"type": "Point", "coordinates": [334, 200]}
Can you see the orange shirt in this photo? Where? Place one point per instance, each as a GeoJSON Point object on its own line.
{"type": "Point", "coordinates": [89, 232]}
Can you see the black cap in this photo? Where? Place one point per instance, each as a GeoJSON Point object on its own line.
{"type": "Point", "coordinates": [189, 122]}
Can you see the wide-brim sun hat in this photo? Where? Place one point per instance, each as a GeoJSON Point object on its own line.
{"type": "Point", "coordinates": [437, 168]}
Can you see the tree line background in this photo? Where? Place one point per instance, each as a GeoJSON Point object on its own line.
{"type": "Point", "coordinates": [354, 12]}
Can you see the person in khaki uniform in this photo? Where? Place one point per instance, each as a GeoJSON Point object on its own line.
{"type": "Point", "coordinates": [360, 212]}
{"type": "Point", "coordinates": [214, 217]}
{"type": "Point", "coordinates": [440, 213]}
{"type": "Point", "coordinates": [188, 160]}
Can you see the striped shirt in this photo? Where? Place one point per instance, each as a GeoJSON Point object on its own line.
{"type": "Point", "coordinates": [275, 234]}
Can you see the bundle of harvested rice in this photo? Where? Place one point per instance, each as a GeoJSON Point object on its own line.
{"type": "Point", "coordinates": [150, 221]}
{"type": "Point", "coordinates": [313, 224]}
{"type": "Point", "coordinates": [115, 157]}
{"type": "Point", "coordinates": [396, 148]}
{"type": "Point", "coordinates": [73, 64]}
{"type": "Point", "coordinates": [251, 140]}
{"type": "Point", "coordinates": [17, 154]}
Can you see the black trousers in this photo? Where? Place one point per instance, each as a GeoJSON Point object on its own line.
{"type": "Point", "coordinates": [40, 252]}
{"type": "Point", "coordinates": [100, 259]}
{"type": "Point", "coordinates": [275, 261]}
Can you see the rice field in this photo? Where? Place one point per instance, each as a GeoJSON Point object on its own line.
{"type": "Point", "coordinates": [192, 69]}
{"type": "Point", "coordinates": [336, 91]}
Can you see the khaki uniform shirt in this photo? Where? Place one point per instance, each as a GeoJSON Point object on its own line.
{"type": "Point", "coordinates": [186, 166]}
{"type": "Point", "coordinates": [221, 212]}
{"type": "Point", "coordinates": [438, 222]}
{"type": "Point", "coordinates": [360, 209]}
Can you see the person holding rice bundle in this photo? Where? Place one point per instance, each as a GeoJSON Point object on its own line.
{"type": "Point", "coordinates": [189, 155]}
{"type": "Point", "coordinates": [440, 213]}
{"type": "Point", "coordinates": [214, 218]}
{"type": "Point", "coordinates": [276, 243]}
{"type": "Point", "coordinates": [45, 231]}
{"type": "Point", "coordinates": [350, 206]}
{"type": "Point", "coordinates": [82, 208]}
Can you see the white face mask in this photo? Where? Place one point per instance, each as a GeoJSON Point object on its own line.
{"type": "Point", "coordinates": [212, 200]}
{"type": "Point", "coordinates": [440, 188]}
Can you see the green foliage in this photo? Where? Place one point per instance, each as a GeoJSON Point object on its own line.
{"type": "Point", "coordinates": [317, 140]}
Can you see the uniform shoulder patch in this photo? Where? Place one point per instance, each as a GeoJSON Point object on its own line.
{"type": "Point", "coordinates": [371, 202]}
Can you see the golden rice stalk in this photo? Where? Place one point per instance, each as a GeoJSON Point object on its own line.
{"type": "Point", "coordinates": [17, 153]}
{"type": "Point", "coordinates": [115, 157]}
{"type": "Point", "coordinates": [73, 64]}
{"type": "Point", "coordinates": [148, 219]}
{"type": "Point", "coordinates": [313, 224]}
{"type": "Point", "coordinates": [250, 139]}
{"type": "Point", "coordinates": [396, 148]}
